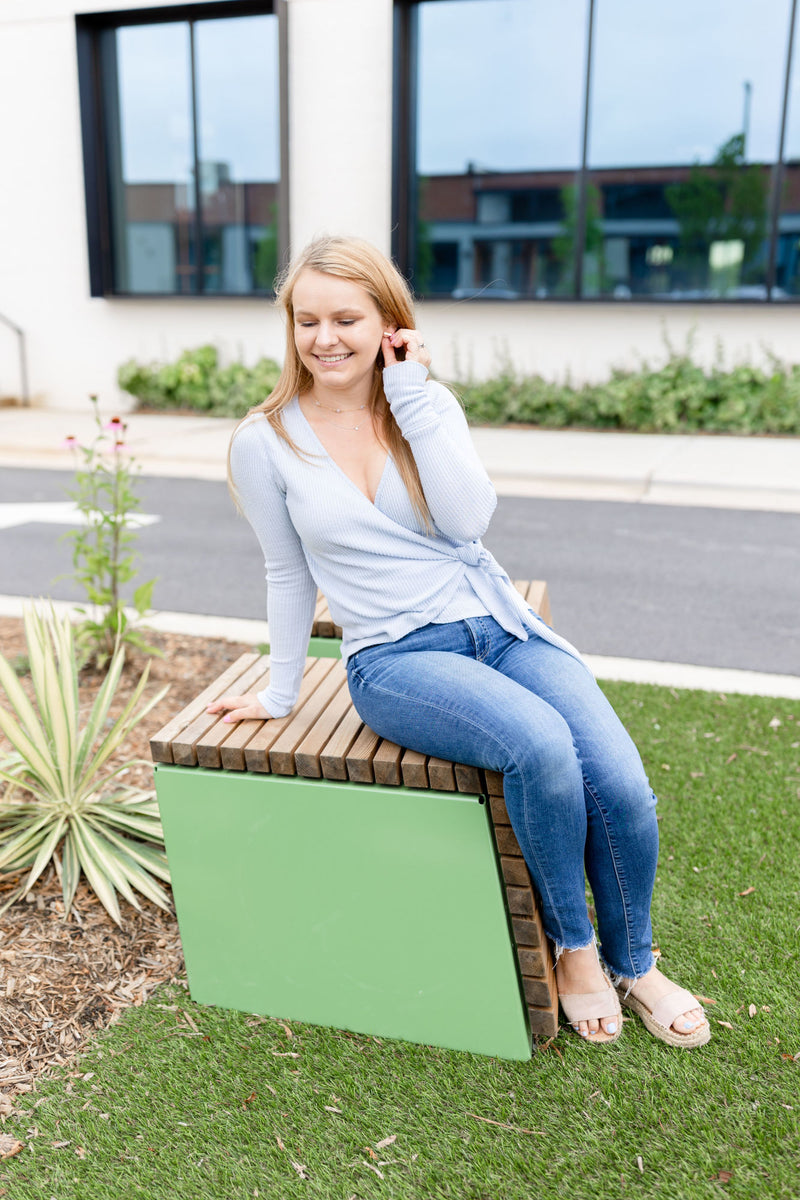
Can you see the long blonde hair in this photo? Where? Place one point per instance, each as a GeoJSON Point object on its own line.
{"type": "Point", "coordinates": [358, 262]}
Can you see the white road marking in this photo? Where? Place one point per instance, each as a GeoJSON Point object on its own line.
{"type": "Point", "coordinates": [55, 512]}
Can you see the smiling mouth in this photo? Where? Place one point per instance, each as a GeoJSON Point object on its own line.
{"type": "Point", "coordinates": [333, 358]}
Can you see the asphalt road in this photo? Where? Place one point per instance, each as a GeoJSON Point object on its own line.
{"type": "Point", "coordinates": [713, 587]}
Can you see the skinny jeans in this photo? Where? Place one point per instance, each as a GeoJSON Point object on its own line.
{"type": "Point", "coordinates": [576, 792]}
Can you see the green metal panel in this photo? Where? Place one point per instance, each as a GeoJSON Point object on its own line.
{"type": "Point", "coordinates": [318, 647]}
{"type": "Point", "coordinates": [368, 908]}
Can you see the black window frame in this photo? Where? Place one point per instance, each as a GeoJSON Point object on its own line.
{"type": "Point", "coordinates": [97, 183]}
{"type": "Point", "coordinates": [404, 190]}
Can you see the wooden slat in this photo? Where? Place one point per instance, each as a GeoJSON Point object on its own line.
{"type": "Point", "coordinates": [468, 779]}
{"type": "Point", "coordinates": [526, 932]}
{"type": "Point", "coordinates": [308, 754]}
{"type": "Point", "coordinates": [161, 742]}
{"type": "Point", "coordinates": [536, 992]}
{"type": "Point", "coordinates": [543, 1021]}
{"type": "Point", "coordinates": [506, 840]}
{"type": "Point", "coordinates": [499, 811]}
{"type": "Point", "coordinates": [184, 751]}
{"type": "Point", "coordinates": [359, 758]}
{"type": "Point", "coordinates": [441, 775]}
{"type": "Point", "coordinates": [320, 613]}
{"type": "Point", "coordinates": [208, 747]}
{"type": "Point", "coordinates": [282, 750]}
{"type": "Point", "coordinates": [532, 962]}
{"type": "Point", "coordinates": [386, 764]}
{"type": "Point", "coordinates": [539, 600]}
{"type": "Point", "coordinates": [520, 901]}
{"type": "Point", "coordinates": [325, 626]}
{"type": "Point", "coordinates": [494, 783]}
{"type": "Point", "coordinates": [414, 768]}
{"type": "Point", "coordinates": [256, 752]}
{"type": "Point", "coordinates": [515, 871]}
{"type": "Point", "coordinates": [333, 759]}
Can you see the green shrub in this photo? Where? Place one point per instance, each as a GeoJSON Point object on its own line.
{"type": "Point", "coordinates": [679, 397]}
{"type": "Point", "coordinates": [197, 381]}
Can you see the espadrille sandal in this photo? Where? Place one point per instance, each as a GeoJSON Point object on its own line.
{"type": "Point", "coordinates": [659, 1018]}
{"type": "Point", "coordinates": [593, 1006]}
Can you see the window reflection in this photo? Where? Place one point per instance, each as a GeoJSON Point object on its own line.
{"type": "Point", "coordinates": [498, 143]}
{"type": "Point", "coordinates": [683, 132]}
{"type": "Point", "coordinates": [787, 266]}
{"type": "Point", "coordinates": [148, 84]}
{"type": "Point", "coordinates": [237, 102]}
{"type": "Point", "coordinates": [193, 209]}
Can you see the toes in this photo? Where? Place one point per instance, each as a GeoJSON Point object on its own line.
{"type": "Point", "coordinates": [609, 1025]}
{"type": "Point", "coordinates": [593, 1026]}
{"type": "Point", "coordinates": [689, 1021]}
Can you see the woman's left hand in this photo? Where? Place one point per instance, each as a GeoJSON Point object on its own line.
{"type": "Point", "coordinates": [411, 340]}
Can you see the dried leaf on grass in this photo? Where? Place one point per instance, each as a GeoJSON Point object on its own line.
{"type": "Point", "coordinates": [502, 1125]}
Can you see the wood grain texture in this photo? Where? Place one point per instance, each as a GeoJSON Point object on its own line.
{"type": "Point", "coordinates": [161, 742]}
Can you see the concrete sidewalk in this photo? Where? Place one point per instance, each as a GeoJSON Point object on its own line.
{"type": "Point", "coordinates": [710, 471]}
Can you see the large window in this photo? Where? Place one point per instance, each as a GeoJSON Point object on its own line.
{"type": "Point", "coordinates": [599, 149]}
{"type": "Point", "coordinates": [182, 146]}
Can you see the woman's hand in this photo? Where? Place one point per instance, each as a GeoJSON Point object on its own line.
{"type": "Point", "coordinates": [240, 708]}
{"type": "Point", "coordinates": [411, 340]}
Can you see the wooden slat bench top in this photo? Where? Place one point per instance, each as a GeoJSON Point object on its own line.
{"type": "Point", "coordinates": [324, 738]}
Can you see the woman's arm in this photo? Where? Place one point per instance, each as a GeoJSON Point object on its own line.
{"type": "Point", "coordinates": [457, 489]}
{"type": "Point", "coordinates": [291, 592]}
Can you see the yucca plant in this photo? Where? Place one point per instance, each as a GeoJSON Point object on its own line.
{"type": "Point", "coordinates": [63, 801]}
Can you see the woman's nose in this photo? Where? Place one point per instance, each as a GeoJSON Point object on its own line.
{"type": "Point", "coordinates": [326, 334]}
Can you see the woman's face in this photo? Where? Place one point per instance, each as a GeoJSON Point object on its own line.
{"type": "Point", "coordinates": [337, 330]}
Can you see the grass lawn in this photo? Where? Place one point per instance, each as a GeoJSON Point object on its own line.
{"type": "Point", "coordinates": [183, 1101]}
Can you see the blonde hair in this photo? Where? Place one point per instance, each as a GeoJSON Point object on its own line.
{"type": "Point", "coordinates": [358, 262]}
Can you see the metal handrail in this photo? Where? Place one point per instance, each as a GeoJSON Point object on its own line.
{"type": "Point", "coordinates": [23, 361]}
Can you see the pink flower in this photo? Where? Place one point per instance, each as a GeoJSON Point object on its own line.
{"type": "Point", "coordinates": [70, 442]}
{"type": "Point", "coordinates": [116, 425]}
{"type": "Point", "coordinates": [119, 447]}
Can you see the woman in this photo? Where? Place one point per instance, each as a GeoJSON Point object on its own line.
{"type": "Point", "coordinates": [358, 475]}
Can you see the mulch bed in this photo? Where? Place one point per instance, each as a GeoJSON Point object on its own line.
{"type": "Point", "coordinates": [63, 978]}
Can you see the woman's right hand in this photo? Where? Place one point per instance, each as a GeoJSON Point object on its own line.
{"type": "Point", "coordinates": [240, 708]}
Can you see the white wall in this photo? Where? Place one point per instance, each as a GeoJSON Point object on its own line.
{"type": "Point", "coordinates": [340, 119]}
{"type": "Point", "coordinates": [340, 86]}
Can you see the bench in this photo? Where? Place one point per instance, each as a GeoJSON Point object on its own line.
{"type": "Point", "coordinates": [322, 873]}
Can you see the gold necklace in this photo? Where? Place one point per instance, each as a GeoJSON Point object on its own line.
{"type": "Point", "coordinates": [336, 424]}
{"type": "Point", "coordinates": [337, 410]}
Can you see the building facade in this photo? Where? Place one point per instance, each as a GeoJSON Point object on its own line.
{"type": "Point", "coordinates": [569, 187]}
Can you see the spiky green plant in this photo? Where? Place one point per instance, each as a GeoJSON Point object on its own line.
{"type": "Point", "coordinates": [63, 801]}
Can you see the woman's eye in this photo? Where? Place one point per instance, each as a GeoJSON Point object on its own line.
{"type": "Point", "coordinates": [347, 321]}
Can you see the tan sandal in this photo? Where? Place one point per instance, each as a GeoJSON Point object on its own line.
{"type": "Point", "coordinates": [658, 1020]}
{"type": "Point", "coordinates": [593, 1006]}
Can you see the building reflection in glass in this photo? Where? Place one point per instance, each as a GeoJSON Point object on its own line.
{"type": "Point", "coordinates": [192, 151]}
{"type": "Point", "coordinates": [683, 133]}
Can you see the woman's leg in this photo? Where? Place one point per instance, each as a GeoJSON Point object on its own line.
{"type": "Point", "coordinates": [429, 692]}
{"type": "Point", "coordinates": [622, 835]}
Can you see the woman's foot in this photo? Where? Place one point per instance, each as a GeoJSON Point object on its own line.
{"type": "Point", "coordinates": [686, 1025]}
{"type": "Point", "coordinates": [578, 973]}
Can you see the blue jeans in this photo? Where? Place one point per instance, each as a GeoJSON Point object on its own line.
{"type": "Point", "coordinates": [575, 788]}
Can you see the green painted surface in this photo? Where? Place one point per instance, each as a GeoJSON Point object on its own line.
{"type": "Point", "coordinates": [318, 647]}
{"type": "Point", "coordinates": [374, 909]}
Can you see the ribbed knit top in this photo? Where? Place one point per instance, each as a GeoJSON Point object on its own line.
{"type": "Point", "coordinates": [382, 574]}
